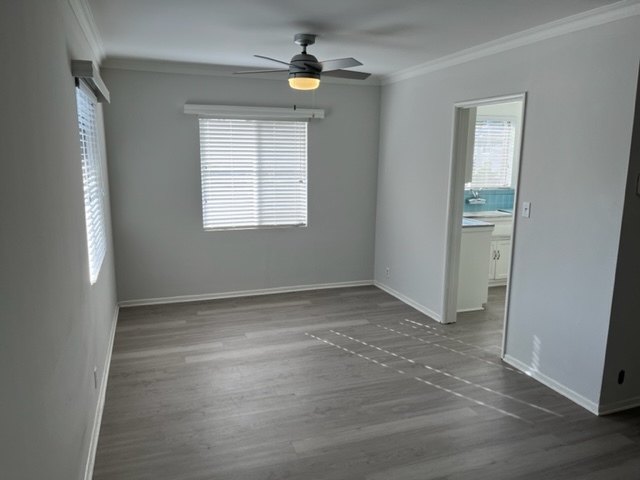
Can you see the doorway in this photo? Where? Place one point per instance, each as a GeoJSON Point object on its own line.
{"type": "Point", "coordinates": [485, 173]}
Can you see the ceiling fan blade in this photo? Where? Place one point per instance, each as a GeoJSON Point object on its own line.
{"type": "Point", "coordinates": [261, 71]}
{"type": "Point", "coordinates": [273, 59]}
{"type": "Point", "coordinates": [346, 74]}
{"type": "Point", "coordinates": [339, 63]}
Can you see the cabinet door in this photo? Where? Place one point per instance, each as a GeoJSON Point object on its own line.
{"type": "Point", "coordinates": [503, 249]}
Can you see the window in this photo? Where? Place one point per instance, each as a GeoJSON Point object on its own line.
{"type": "Point", "coordinates": [493, 153]}
{"type": "Point", "coordinates": [253, 173]}
{"type": "Point", "coordinates": [92, 181]}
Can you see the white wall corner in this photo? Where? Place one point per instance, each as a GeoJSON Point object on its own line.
{"type": "Point", "coordinates": [418, 306]}
{"type": "Point", "coordinates": [574, 23]}
{"type": "Point", "coordinates": [82, 11]}
{"type": "Point", "coordinates": [102, 394]}
{"type": "Point", "coordinates": [554, 385]}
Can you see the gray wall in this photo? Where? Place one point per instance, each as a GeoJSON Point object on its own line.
{"type": "Point", "coordinates": [161, 248]}
{"type": "Point", "coordinates": [576, 150]}
{"type": "Point", "coordinates": [623, 352]}
{"type": "Point", "coordinates": [54, 326]}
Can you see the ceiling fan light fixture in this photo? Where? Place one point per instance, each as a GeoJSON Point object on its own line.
{"type": "Point", "coordinates": [303, 81]}
{"type": "Point", "coordinates": [305, 70]}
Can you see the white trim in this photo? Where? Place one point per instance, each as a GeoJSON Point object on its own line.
{"type": "Point", "coordinates": [253, 113]}
{"type": "Point", "coordinates": [455, 207]}
{"type": "Point", "coordinates": [574, 23]}
{"type": "Point", "coordinates": [486, 101]}
{"type": "Point", "coordinates": [84, 15]}
{"type": "Point", "coordinates": [514, 220]}
{"type": "Point", "coordinates": [464, 310]}
{"type": "Point", "coordinates": [421, 308]}
{"type": "Point", "coordinates": [164, 66]}
{"type": "Point", "coordinates": [553, 384]}
{"type": "Point", "coordinates": [102, 393]}
{"type": "Point", "coordinates": [243, 293]}
{"type": "Point", "coordinates": [619, 406]}
{"type": "Point", "coordinates": [456, 190]}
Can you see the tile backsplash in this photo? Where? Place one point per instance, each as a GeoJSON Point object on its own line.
{"type": "Point", "coordinates": [498, 199]}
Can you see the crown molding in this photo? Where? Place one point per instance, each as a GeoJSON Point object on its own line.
{"type": "Point", "coordinates": [82, 11]}
{"type": "Point", "coordinates": [574, 23]}
{"type": "Point", "coordinates": [166, 66]}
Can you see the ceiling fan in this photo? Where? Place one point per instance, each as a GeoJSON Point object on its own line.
{"type": "Point", "coordinates": [305, 70]}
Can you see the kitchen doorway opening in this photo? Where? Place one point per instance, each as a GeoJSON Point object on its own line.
{"type": "Point", "coordinates": [485, 174]}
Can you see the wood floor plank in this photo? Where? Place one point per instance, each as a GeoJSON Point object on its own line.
{"type": "Point", "coordinates": [339, 384]}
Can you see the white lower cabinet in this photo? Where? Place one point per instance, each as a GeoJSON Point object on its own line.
{"type": "Point", "coordinates": [473, 270]}
{"type": "Point", "coordinates": [475, 275]}
{"type": "Point", "coordinates": [499, 261]}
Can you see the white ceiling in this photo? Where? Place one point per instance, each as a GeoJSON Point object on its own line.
{"type": "Point", "coordinates": [387, 36]}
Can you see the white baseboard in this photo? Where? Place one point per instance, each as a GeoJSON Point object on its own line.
{"type": "Point", "coordinates": [619, 406]}
{"type": "Point", "coordinates": [102, 393]}
{"type": "Point", "coordinates": [554, 385]}
{"type": "Point", "coordinates": [465, 310]}
{"type": "Point", "coordinates": [243, 293]}
{"type": "Point", "coordinates": [421, 308]}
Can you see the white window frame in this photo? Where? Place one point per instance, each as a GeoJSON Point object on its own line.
{"type": "Point", "coordinates": [92, 179]}
{"type": "Point", "coordinates": [514, 149]}
{"type": "Point", "coordinates": [294, 214]}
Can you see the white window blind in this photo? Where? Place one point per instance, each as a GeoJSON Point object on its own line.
{"type": "Point", "coordinates": [493, 153]}
{"type": "Point", "coordinates": [253, 173]}
{"type": "Point", "coordinates": [92, 181]}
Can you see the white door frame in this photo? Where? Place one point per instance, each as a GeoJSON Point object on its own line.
{"type": "Point", "coordinates": [455, 204]}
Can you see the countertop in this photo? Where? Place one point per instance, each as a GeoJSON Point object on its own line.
{"type": "Point", "coordinates": [472, 222]}
{"type": "Point", "coordinates": [487, 213]}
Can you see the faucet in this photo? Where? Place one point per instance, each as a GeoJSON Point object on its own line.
{"type": "Point", "coordinates": [475, 198]}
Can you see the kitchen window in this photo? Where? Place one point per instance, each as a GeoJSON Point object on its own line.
{"type": "Point", "coordinates": [493, 153]}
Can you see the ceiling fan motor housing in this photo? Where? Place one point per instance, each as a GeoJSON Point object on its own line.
{"type": "Point", "coordinates": [305, 65]}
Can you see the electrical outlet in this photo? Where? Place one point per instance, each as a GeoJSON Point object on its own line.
{"type": "Point", "coordinates": [387, 272]}
{"type": "Point", "coordinates": [95, 377]}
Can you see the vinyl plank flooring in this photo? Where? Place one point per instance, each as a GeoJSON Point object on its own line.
{"type": "Point", "coordinates": [339, 384]}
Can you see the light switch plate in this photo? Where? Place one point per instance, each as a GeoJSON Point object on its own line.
{"type": "Point", "coordinates": [526, 209]}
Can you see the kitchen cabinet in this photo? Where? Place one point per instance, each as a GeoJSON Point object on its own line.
{"type": "Point", "coordinates": [473, 273]}
{"type": "Point", "coordinates": [500, 246]}
{"type": "Point", "coordinates": [499, 256]}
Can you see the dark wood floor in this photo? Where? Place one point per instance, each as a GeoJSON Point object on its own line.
{"type": "Point", "coordinates": [339, 384]}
